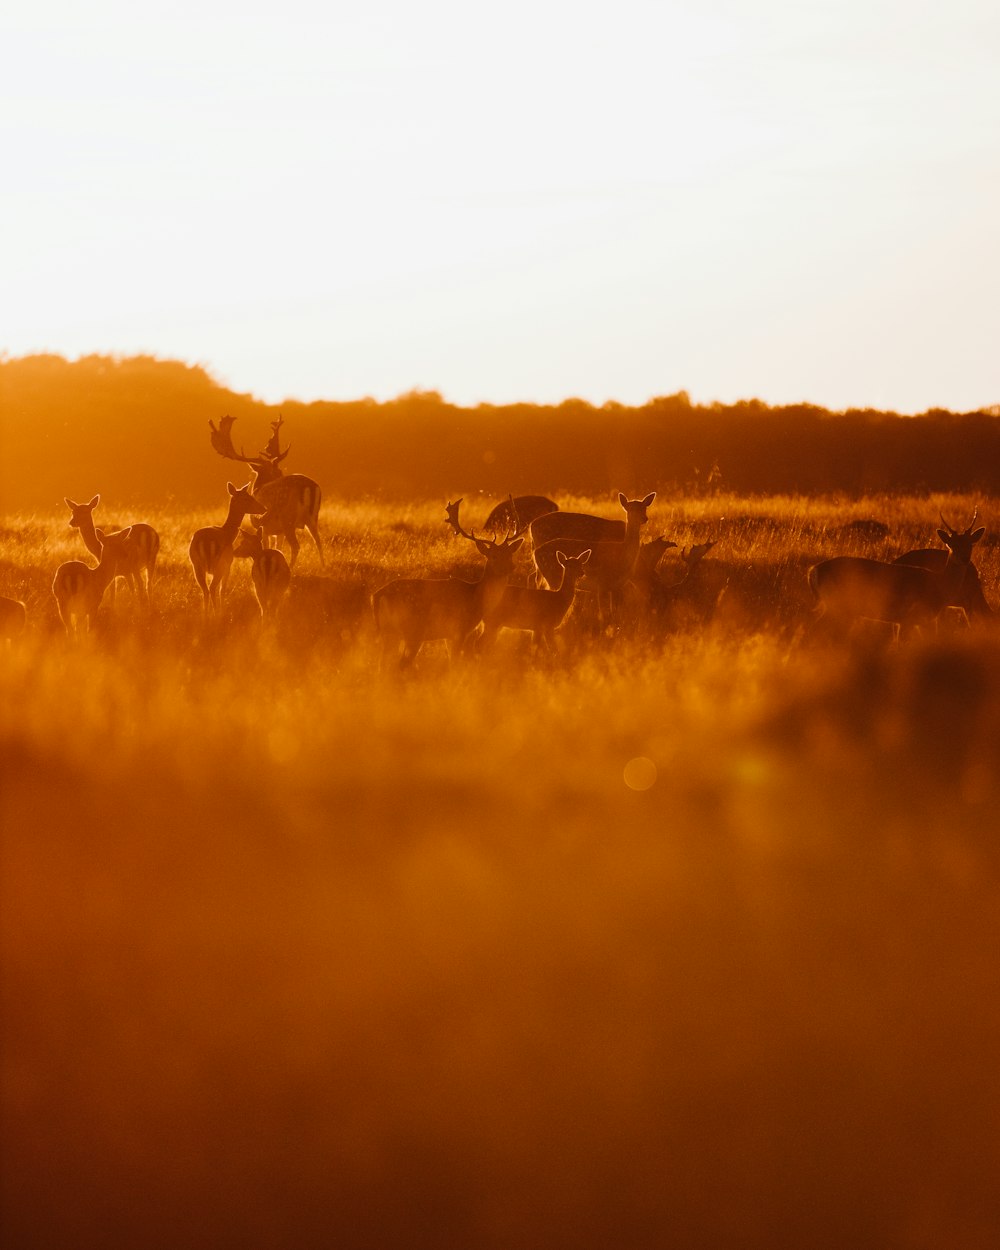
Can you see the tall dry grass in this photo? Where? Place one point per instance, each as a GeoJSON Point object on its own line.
{"type": "Point", "coordinates": [685, 938]}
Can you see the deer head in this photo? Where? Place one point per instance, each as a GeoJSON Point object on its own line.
{"type": "Point", "coordinates": [961, 542]}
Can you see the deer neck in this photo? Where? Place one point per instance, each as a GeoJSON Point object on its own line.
{"type": "Point", "coordinates": [88, 533]}
{"type": "Point", "coordinates": [953, 573]}
{"type": "Point", "coordinates": [566, 589]}
{"type": "Point", "coordinates": [633, 532]}
{"type": "Point", "coordinates": [490, 588]}
{"type": "Point", "coordinates": [230, 526]}
{"type": "Point", "coordinates": [107, 567]}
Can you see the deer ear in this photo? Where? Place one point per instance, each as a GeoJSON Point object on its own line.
{"type": "Point", "coordinates": [515, 544]}
{"type": "Point", "coordinates": [560, 558]}
{"type": "Point", "coordinates": [69, 503]}
{"type": "Point", "coordinates": [649, 499]}
{"type": "Point", "coordinates": [94, 502]}
{"type": "Point", "coordinates": [231, 488]}
{"type": "Point", "coordinates": [621, 499]}
{"type": "Point", "coordinates": [584, 557]}
{"type": "Point", "coordinates": [977, 534]}
{"type": "Point", "coordinates": [944, 536]}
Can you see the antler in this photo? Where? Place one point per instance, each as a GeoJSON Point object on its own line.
{"type": "Point", "coordinates": [273, 450]}
{"type": "Point", "coordinates": [222, 442]}
{"type": "Point", "coordinates": [452, 520]}
{"type": "Point", "coordinates": [951, 529]}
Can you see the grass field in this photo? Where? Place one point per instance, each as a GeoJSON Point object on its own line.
{"type": "Point", "coordinates": [687, 937]}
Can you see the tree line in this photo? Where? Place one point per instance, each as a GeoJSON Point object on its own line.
{"type": "Point", "coordinates": [136, 428]}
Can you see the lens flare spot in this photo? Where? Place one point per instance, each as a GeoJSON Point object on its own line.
{"type": "Point", "coordinates": [640, 773]}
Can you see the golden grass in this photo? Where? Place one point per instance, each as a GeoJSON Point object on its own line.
{"type": "Point", "coordinates": [681, 940]}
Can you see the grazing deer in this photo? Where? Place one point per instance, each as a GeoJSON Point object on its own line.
{"type": "Point", "coordinates": [79, 589]}
{"type": "Point", "coordinates": [211, 549]}
{"type": "Point", "coordinates": [141, 549]}
{"type": "Point", "coordinates": [849, 588]}
{"type": "Point", "coordinates": [611, 562]}
{"type": "Point", "coordinates": [13, 615]}
{"type": "Point", "coordinates": [536, 610]}
{"type": "Point", "coordinates": [517, 512]}
{"type": "Point", "coordinates": [513, 516]}
{"type": "Point", "coordinates": [292, 500]}
{"type": "Point", "coordinates": [411, 611]}
{"type": "Point", "coordinates": [270, 573]}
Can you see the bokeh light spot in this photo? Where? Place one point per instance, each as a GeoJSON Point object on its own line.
{"type": "Point", "coordinates": [640, 773]}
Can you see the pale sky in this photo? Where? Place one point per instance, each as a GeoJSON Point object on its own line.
{"type": "Point", "coordinates": [780, 199]}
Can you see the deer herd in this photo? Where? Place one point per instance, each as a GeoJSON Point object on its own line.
{"type": "Point", "coordinates": [572, 554]}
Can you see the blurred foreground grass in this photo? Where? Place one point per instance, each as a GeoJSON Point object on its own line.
{"type": "Point", "coordinates": [683, 942]}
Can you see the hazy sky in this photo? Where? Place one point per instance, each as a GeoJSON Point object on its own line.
{"type": "Point", "coordinates": [535, 200]}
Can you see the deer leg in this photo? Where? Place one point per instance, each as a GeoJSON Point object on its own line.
{"type": "Point", "coordinates": [201, 577]}
{"type": "Point", "coordinates": [311, 527]}
{"type": "Point", "coordinates": [293, 548]}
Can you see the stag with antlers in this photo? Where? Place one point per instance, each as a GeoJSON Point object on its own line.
{"type": "Point", "coordinates": [292, 500]}
{"type": "Point", "coordinates": [902, 595]}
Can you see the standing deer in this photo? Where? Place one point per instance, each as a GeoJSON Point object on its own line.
{"type": "Point", "coordinates": [535, 610]}
{"type": "Point", "coordinates": [611, 561]}
{"type": "Point", "coordinates": [79, 589]}
{"type": "Point", "coordinates": [211, 549]}
{"type": "Point", "coordinates": [292, 500]}
{"type": "Point", "coordinates": [270, 573]}
{"type": "Point", "coordinates": [969, 596]}
{"type": "Point", "coordinates": [650, 597]}
{"type": "Point", "coordinates": [851, 587]}
{"type": "Point", "coordinates": [141, 548]}
{"type": "Point", "coordinates": [579, 526]}
{"type": "Point", "coordinates": [411, 611]}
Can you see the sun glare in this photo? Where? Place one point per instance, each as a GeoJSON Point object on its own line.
{"type": "Point", "coordinates": [555, 200]}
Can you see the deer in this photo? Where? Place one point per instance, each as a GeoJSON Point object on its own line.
{"type": "Point", "coordinates": [517, 512]}
{"type": "Point", "coordinates": [411, 611]}
{"type": "Point", "coordinates": [514, 515]}
{"type": "Point", "coordinates": [78, 588]}
{"type": "Point", "coordinates": [292, 500]}
{"type": "Point", "coordinates": [644, 579]}
{"type": "Point", "coordinates": [13, 616]}
{"type": "Point", "coordinates": [270, 573]}
{"type": "Point", "coordinates": [211, 548]}
{"type": "Point", "coordinates": [611, 561]}
{"type": "Point", "coordinates": [969, 597]}
{"type": "Point", "coordinates": [901, 595]}
{"type": "Point", "coordinates": [579, 526]}
{"type": "Point", "coordinates": [538, 611]}
{"type": "Point", "coordinates": [143, 546]}
{"type": "Point", "coordinates": [651, 597]}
